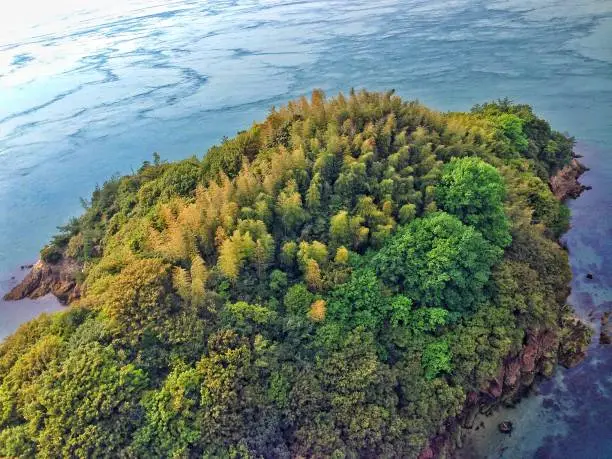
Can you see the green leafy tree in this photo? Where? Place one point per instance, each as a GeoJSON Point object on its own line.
{"type": "Point", "coordinates": [436, 359]}
{"type": "Point", "coordinates": [88, 402]}
{"type": "Point", "coordinates": [439, 261]}
{"type": "Point", "coordinates": [360, 301]}
{"type": "Point", "coordinates": [347, 230]}
{"type": "Point", "coordinates": [289, 208]}
{"type": "Point", "coordinates": [511, 126]}
{"type": "Point", "coordinates": [171, 428]}
{"type": "Point", "coordinates": [139, 295]}
{"type": "Point", "coordinates": [474, 191]}
{"type": "Point", "coordinates": [298, 299]}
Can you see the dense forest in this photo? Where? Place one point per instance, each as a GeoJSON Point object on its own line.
{"type": "Point", "coordinates": [332, 281]}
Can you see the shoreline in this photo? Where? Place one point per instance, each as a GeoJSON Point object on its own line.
{"type": "Point", "coordinates": [466, 435]}
{"type": "Point", "coordinates": [553, 415]}
{"type": "Point", "coordinates": [482, 411]}
{"type": "Point", "coordinates": [15, 313]}
{"type": "Point", "coordinates": [58, 278]}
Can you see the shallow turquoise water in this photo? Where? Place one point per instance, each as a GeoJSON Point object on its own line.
{"type": "Point", "coordinates": [91, 91]}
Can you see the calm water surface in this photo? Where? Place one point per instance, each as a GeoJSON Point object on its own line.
{"type": "Point", "coordinates": [89, 91]}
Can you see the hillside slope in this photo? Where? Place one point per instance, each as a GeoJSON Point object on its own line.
{"type": "Point", "coordinates": [337, 280]}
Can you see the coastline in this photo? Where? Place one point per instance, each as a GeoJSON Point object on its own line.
{"type": "Point", "coordinates": [15, 313]}
{"type": "Point", "coordinates": [560, 416]}
{"type": "Point", "coordinates": [519, 375]}
{"type": "Point", "coordinates": [540, 360]}
{"type": "Point", "coordinates": [58, 278]}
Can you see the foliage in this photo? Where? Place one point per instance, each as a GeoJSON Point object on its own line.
{"type": "Point", "coordinates": [436, 359]}
{"type": "Point", "coordinates": [474, 191]}
{"type": "Point", "coordinates": [333, 281]}
{"type": "Point", "coordinates": [439, 262]}
{"type": "Point", "coordinates": [50, 254]}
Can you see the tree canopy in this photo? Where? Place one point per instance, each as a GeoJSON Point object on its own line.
{"type": "Point", "coordinates": [332, 281]}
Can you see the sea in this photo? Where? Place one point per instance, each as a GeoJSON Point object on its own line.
{"type": "Point", "coordinates": [92, 89]}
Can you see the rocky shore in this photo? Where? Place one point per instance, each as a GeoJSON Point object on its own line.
{"type": "Point", "coordinates": [59, 279]}
{"type": "Point", "coordinates": [519, 373]}
{"type": "Point", "coordinates": [538, 358]}
{"type": "Point", "coordinates": [565, 183]}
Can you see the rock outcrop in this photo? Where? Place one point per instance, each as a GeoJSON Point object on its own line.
{"type": "Point", "coordinates": [505, 427]}
{"type": "Point", "coordinates": [574, 343]}
{"type": "Point", "coordinates": [516, 376]}
{"type": "Point", "coordinates": [538, 357]}
{"type": "Point", "coordinates": [565, 183]}
{"type": "Point", "coordinates": [59, 279]}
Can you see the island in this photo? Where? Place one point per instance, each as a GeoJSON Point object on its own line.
{"type": "Point", "coordinates": [358, 276]}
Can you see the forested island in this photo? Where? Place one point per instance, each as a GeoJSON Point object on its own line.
{"type": "Point", "coordinates": [352, 277]}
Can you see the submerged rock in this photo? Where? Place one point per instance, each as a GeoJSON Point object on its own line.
{"type": "Point", "coordinates": [606, 329]}
{"type": "Point", "coordinates": [574, 342]}
{"type": "Point", "coordinates": [458, 438]}
{"type": "Point", "coordinates": [471, 410]}
{"type": "Point", "coordinates": [505, 427]}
